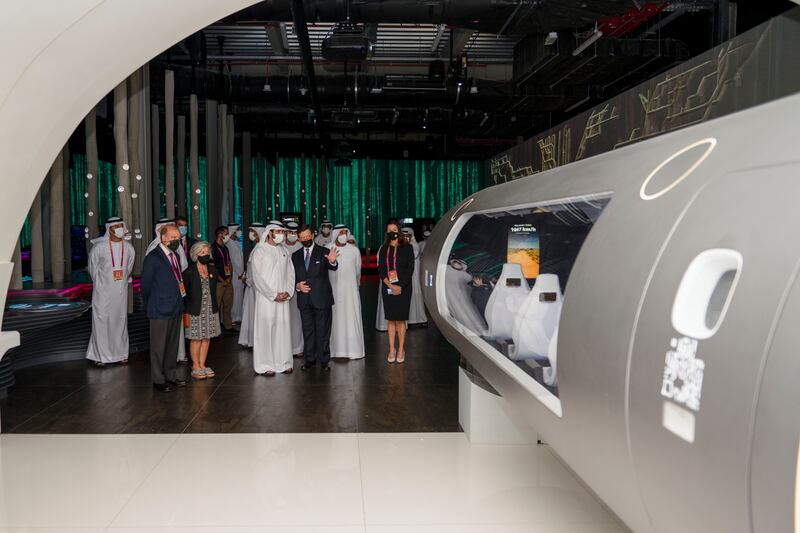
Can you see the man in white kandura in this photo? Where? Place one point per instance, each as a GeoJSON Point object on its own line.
{"type": "Point", "coordinates": [425, 235]}
{"type": "Point", "coordinates": [255, 234]}
{"type": "Point", "coordinates": [293, 244]}
{"type": "Point", "coordinates": [272, 274]}
{"type": "Point", "coordinates": [184, 260]}
{"type": "Point", "coordinates": [325, 237]}
{"type": "Point", "coordinates": [416, 315]}
{"type": "Point", "coordinates": [237, 262]}
{"type": "Point", "coordinates": [347, 331]}
{"type": "Point", "coordinates": [110, 266]}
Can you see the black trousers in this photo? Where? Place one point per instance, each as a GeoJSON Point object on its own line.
{"type": "Point", "coordinates": [165, 337]}
{"type": "Point", "coordinates": [316, 334]}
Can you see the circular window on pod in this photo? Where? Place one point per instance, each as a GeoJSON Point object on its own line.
{"type": "Point", "coordinates": [676, 168]}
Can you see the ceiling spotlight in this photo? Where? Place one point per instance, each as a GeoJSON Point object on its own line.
{"type": "Point", "coordinates": [86, 195]}
{"type": "Point", "coordinates": [138, 177]}
{"type": "Point", "coordinates": [89, 176]}
{"type": "Point", "coordinates": [267, 88]}
{"type": "Point", "coordinates": [551, 38]}
{"type": "Point", "coordinates": [126, 167]}
{"type": "Point", "coordinates": [303, 91]}
{"type": "Point", "coordinates": [90, 213]}
{"type": "Point", "coordinates": [473, 89]}
{"type": "Point", "coordinates": [121, 189]}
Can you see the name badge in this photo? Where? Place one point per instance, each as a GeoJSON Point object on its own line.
{"type": "Point", "coordinates": [182, 288]}
{"type": "Point", "coordinates": [393, 276]}
{"type": "Point", "coordinates": [119, 275]}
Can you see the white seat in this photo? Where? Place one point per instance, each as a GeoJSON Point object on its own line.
{"type": "Point", "coordinates": [537, 320]}
{"type": "Point", "coordinates": [551, 372]}
{"type": "Point", "coordinates": [505, 301]}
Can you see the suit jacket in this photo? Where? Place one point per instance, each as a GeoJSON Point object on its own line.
{"type": "Point", "coordinates": [194, 289]}
{"type": "Point", "coordinates": [321, 295]}
{"type": "Point", "coordinates": [162, 296]}
{"type": "Point", "coordinates": [219, 253]}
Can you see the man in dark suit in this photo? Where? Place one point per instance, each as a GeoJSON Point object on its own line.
{"type": "Point", "coordinates": [163, 291]}
{"type": "Point", "coordinates": [186, 240]}
{"type": "Point", "coordinates": [314, 297]}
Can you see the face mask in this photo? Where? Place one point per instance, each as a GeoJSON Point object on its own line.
{"type": "Point", "coordinates": [225, 239]}
{"type": "Point", "coordinates": [184, 230]}
{"type": "Point", "coordinates": [307, 243]}
{"type": "Point", "coordinates": [204, 259]}
{"type": "Point", "coordinates": [119, 232]}
{"type": "Point", "coordinates": [279, 238]}
{"type": "Point", "coordinates": [426, 234]}
{"type": "Point", "coordinates": [326, 231]}
{"type": "Point", "coordinates": [341, 239]}
{"type": "Point", "coordinates": [392, 235]}
{"type": "Point", "coordinates": [174, 245]}
{"type": "Point", "coordinates": [253, 237]}
{"type": "Point", "coordinates": [291, 239]}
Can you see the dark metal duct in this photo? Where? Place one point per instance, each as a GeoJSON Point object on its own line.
{"type": "Point", "coordinates": [491, 16]}
{"type": "Point", "coordinates": [301, 29]}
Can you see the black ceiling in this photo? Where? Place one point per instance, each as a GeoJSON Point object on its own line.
{"type": "Point", "coordinates": [447, 78]}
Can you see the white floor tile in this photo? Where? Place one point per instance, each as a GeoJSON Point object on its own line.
{"type": "Point", "coordinates": [440, 479]}
{"type": "Point", "coordinates": [252, 480]}
{"type": "Point", "coordinates": [80, 481]}
{"type": "Point", "coordinates": [242, 529]}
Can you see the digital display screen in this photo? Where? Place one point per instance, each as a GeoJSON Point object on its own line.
{"type": "Point", "coordinates": [523, 249]}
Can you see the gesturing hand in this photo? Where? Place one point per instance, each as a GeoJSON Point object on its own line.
{"type": "Point", "coordinates": [303, 287]}
{"type": "Point", "coordinates": [333, 256]}
{"type": "Point", "coordinates": [396, 289]}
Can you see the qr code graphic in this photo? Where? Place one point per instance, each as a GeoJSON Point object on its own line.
{"type": "Point", "coordinates": [683, 373]}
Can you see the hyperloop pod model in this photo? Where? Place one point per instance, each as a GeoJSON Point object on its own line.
{"type": "Point", "coordinates": [641, 310]}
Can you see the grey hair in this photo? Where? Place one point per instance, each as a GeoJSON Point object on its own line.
{"type": "Point", "coordinates": [197, 248]}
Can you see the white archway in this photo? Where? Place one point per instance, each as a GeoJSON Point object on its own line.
{"type": "Point", "coordinates": [59, 59]}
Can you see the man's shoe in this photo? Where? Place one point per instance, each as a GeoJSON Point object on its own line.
{"type": "Point", "coordinates": [162, 387]}
{"type": "Point", "coordinates": [231, 332]}
{"type": "Point", "coordinates": [177, 383]}
{"type": "Point", "coordinates": [326, 367]}
{"type": "Point", "coordinates": [307, 366]}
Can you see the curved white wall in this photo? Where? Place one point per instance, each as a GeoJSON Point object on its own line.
{"type": "Point", "coordinates": [59, 58]}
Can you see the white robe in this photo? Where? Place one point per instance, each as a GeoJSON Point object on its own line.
{"type": "Point", "coordinates": [416, 314]}
{"type": "Point", "coordinates": [184, 265]}
{"type": "Point", "coordinates": [347, 330]}
{"type": "Point", "coordinates": [422, 247]}
{"type": "Point", "coordinates": [248, 315]}
{"type": "Point", "coordinates": [109, 340]}
{"type": "Point", "coordinates": [270, 273]}
{"type": "Point", "coordinates": [237, 264]}
{"type": "Point", "coordinates": [297, 321]}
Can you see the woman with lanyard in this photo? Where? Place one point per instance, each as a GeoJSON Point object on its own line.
{"type": "Point", "coordinates": [396, 271]}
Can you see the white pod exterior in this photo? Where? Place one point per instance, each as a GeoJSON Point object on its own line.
{"type": "Point", "coordinates": [668, 377]}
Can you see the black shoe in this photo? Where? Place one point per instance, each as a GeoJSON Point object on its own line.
{"type": "Point", "coordinates": [162, 387]}
{"type": "Point", "coordinates": [177, 383]}
{"type": "Point", "coordinates": [308, 366]}
{"type": "Point", "coordinates": [231, 332]}
{"type": "Point", "coordinates": [326, 367]}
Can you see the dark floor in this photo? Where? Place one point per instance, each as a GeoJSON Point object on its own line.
{"type": "Point", "coordinates": [366, 395]}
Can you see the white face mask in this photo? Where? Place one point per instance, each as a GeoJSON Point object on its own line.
{"type": "Point", "coordinates": [291, 238]}
{"type": "Point", "coordinates": [225, 239]}
{"type": "Point", "coordinates": [279, 238]}
{"type": "Point", "coordinates": [253, 237]}
{"type": "Point", "coordinates": [119, 233]}
{"type": "Point", "coordinates": [326, 231]}
{"type": "Point", "coordinates": [341, 239]}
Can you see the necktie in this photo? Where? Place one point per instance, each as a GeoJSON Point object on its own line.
{"type": "Point", "coordinates": [308, 257]}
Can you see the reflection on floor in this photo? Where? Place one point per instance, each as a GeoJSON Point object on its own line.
{"type": "Point", "coordinates": [367, 395]}
{"type": "Point", "coordinates": [300, 483]}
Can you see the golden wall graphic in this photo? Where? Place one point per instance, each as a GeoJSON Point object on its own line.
{"type": "Point", "coordinates": [752, 68]}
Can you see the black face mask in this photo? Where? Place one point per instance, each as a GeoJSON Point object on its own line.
{"type": "Point", "coordinates": [307, 243]}
{"type": "Point", "coordinates": [204, 259]}
{"type": "Point", "coordinates": [174, 245]}
{"type": "Point", "coordinates": [392, 235]}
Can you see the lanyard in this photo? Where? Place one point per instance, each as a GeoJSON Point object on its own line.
{"type": "Point", "coordinates": [226, 255]}
{"type": "Point", "coordinates": [176, 269]}
{"type": "Point", "coordinates": [395, 258]}
{"type": "Point", "coordinates": [121, 261]}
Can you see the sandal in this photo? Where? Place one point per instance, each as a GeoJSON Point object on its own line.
{"type": "Point", "coordinates": [99, 364]}
{"type": "Point", "coordinates": [124, 362]}
{"type": "Point", "coordinates": [208, 372]}
{"type": "Point", "coordinates": [198, 374]}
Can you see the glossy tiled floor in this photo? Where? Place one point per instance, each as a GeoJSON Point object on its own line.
{"type": "Point", "coordinates": [299, 483]}
{"type": "Point", "coordinates": [367, 395]}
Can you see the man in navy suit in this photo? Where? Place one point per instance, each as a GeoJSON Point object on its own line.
{"type": "Point", "coordinates": [163, 292]}
{"type": "Point", "coordinates": [314, 297]}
